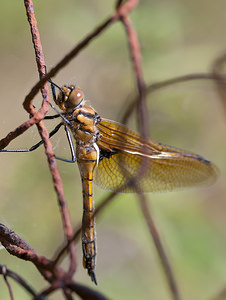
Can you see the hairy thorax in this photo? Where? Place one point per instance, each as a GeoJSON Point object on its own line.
{"type": "Point", "coordinates": [83, 125]}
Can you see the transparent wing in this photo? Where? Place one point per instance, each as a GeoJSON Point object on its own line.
{"type": "Point", "coordinates": [129, 162]}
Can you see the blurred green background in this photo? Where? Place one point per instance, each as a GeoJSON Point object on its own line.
{"type": "Point", "coordinates": [177, 37]}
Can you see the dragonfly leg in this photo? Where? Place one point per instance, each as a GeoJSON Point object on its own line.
{"type": "Point", "coordinates": [51, 117]}
{"type": "Point", "coordinates": [34, 147]}
{"type": "Point", "coordinates": [53, 85]}
{"type": "Point", "coordinates": [73, 158]}
{"type": "Point", "coordinates": [53, 89]}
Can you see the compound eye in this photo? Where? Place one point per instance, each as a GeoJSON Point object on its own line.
{"type": "Point", "coordinates": [75, 98]}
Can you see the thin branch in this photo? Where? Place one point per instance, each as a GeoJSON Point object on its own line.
{"type": "Point", "coordinates": [6, 272]}
{"type": "Point", "coordinates": [18, 247]}
{"type": "Point", "coordinates": [11, 241]}
{"type": "Point", "coordinates": [56, 276]}
{"type": "Point", "coordinates": [49, 290]}
{"type": "Point", "coordinates": [67, 294]}
{"type": "Point", "coordinates": [162, 84]}
{"type": "Point", "coordinates": [85, 292]}
{"type": "Point", "coordinates": [220, 79]}
{"type": "Point", "coordinates": [125, 9]}
{"type": "Point", "coordinates": [3, 271]}
{"type": "Point", "coordinates": [13, 248]}
{"type": "Point", "coordinates": [136, 56]}
{"type": "Point", "coordinates": [68, 229]}
{"type": "Point", "coordinates": [159, 246]}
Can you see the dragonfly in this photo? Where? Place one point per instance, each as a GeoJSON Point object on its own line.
{"type": "Point", "coordinates": [118, 159]}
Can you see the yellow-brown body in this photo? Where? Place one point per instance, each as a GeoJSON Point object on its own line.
{"type": "Point", "coordinates": [123, 161]}
{"type": "Point", "coordinates": [83, 121]}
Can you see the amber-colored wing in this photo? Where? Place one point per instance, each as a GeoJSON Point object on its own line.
{"type": "Point", "coordinates": [129, 162]}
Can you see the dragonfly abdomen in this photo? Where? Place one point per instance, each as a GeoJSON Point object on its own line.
{"type": "Point", "coordinates": [87, 159]}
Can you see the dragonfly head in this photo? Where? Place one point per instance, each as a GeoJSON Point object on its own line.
{"type": "Point", "coordinates": [69, 97]}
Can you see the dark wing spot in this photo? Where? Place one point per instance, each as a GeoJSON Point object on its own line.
{"type": "Point", "coordinates": [203, 160]}
{"type": "Point", "coordinates": [106, 154]}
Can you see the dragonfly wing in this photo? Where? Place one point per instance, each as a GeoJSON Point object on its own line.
{"type": "Point", "coordinates": [126, 163]}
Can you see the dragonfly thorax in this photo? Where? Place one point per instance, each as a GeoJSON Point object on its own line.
{"type": "Point", "coordinates": [84, 120]}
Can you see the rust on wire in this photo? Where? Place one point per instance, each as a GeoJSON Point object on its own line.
{"type": "Point", "coordinates": [121, 13]}
{"type": "Point", "coordinates": [16, 246]}
{"type": "Point", "coordinates": [56, 276]}
{"type": "Point", "coordinates": [126, 8]}
{"type": "Point", "coordinates": [68, 229]}
{"type": "Point", "coordinates": [12, 242]}
{"type": "Point", "coordinates": [159, 247]}
{"type": "Point", "coordinates": [136, 58]}
{"type": "Point", "coordinates": [4, 273]}
{"type": "Point", "coordinates": [8, 273]}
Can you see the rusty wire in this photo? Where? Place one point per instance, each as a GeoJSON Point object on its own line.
{"type": "Point", "coordinates": [8, 273]}
{"type": "Point", "coordinates": [14, 244]}
{"type": "Point", "coordinates": [58, 185]}
{"type": "Point", "coordinates": [136, 58]}
{"type": "Point", "coordinates": [57, 277]}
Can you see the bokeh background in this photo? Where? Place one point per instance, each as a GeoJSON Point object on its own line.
{"type": "Point", "coordinates": [177, 37]}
